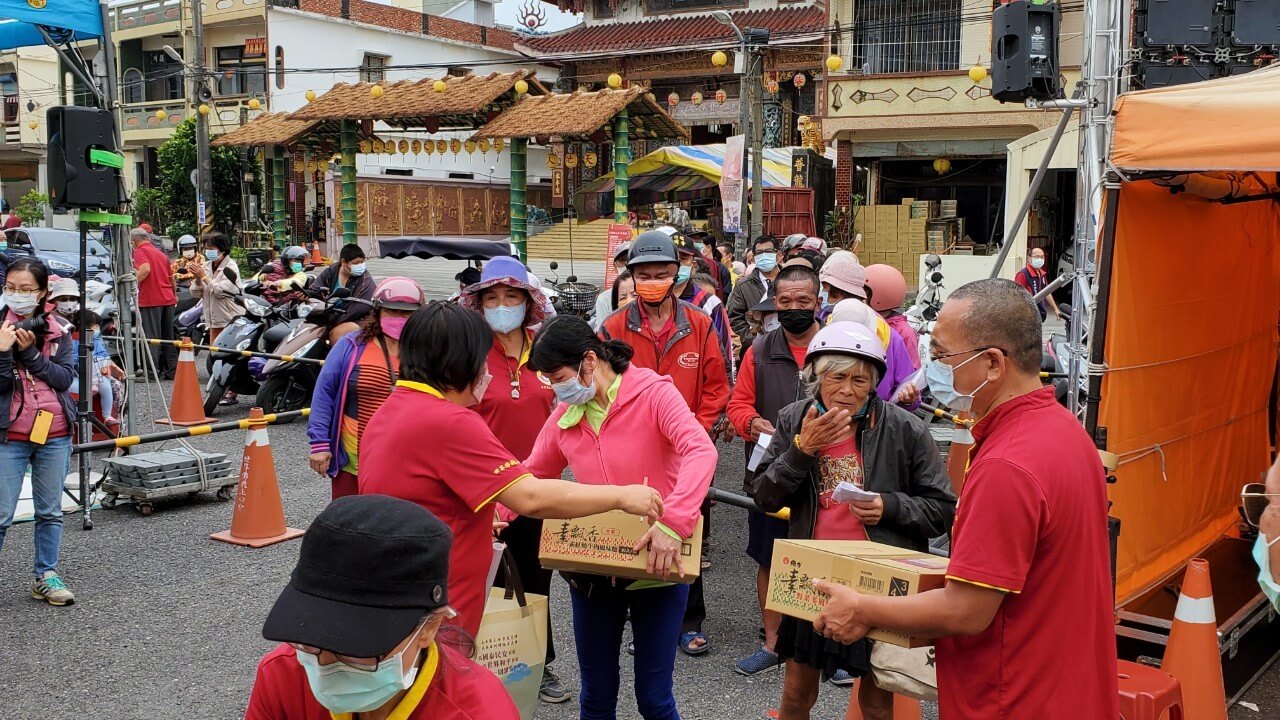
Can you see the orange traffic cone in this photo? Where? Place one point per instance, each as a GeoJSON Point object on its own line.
{"type": "Point", "coordinates": [904, 708]}
{"type": "Point", "coordinates": [186, 407]}
{"type": "Point", "coordinates": [316, 257]}
{"type": "Point", "coordinates": [258, 517]}
{"type": "Point", "coordinates": [1192, 655]}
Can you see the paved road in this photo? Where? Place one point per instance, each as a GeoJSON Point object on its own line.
{"type": "Point", "coordinates": [168, 622]}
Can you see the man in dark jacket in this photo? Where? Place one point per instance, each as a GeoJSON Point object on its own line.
{"type": "Point", "coordinates": [753, 288]}
{"type": "Point", "coordinates": [350, 273]}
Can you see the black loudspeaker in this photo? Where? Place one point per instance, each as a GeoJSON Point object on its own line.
{"type": "Point", "coordinates": [1179, 22]}
{"type": "Point", "coordinates": [76, 179]}
{"type": "Point", "coordinates": [1024, 52]}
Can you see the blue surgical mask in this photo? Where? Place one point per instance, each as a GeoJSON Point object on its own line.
{"type": "Point", "coordinates": [699, 246]}
{"type": "Point", "coordinates": [1037, 263]}
{"type": "Point", "coordinates": [766, 262]}
{"type": "Point", "coordinates": [1262, 556]}
{"type": "Point", "coordinates": [825, 298]}
{"type": "Point", "coordinates": [683, 274]}
{"type": "Point", "coordinates": [4, 245]}
{"type": "Point", "coordinates": [295, 267]}
{"type": "Point", "coordinates": [356, 270]}
{"type": "Point", "coordinates": [344, 689]}
{"type": "Point", "coordinates": [941, 379]}
{"type": "Point", "coordinates": [211, 254]}
{"type": "Point", "coordinates": [504, 318]}
{"type": "Point", "coordinates": [573, 392]}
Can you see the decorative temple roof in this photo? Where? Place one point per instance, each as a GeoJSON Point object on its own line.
{"type": "Point", "coordinates": [583, 114]}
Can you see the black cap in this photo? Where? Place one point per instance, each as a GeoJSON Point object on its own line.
{"type": "Point", "coordinates": [370, 568]}
{"type": "Point", "coordinates": [468, 276]}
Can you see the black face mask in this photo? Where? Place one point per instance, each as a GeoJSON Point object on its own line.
{"type": "Point", "coordinates": [796, 322]}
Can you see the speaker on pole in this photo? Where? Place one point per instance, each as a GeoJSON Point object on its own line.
{"type": "Point", "coordinates": [1024, 51]}
{"type": "Point", "coordinates": [84, 164]}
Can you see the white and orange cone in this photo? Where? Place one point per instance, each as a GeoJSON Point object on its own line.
{"type": "Point", "coordinates": [186, 407]}
{"type": "Point", "coordinates": [258, 517]}
{"type": "Point", "coordinates": [1192, 655]}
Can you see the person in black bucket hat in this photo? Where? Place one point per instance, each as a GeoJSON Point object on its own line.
{"type": "Point", "coordinates": [359, 620]}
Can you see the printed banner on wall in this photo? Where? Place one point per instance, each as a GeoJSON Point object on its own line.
{"type": "Point", "coordinates": [731, 183]}
{"type": "Point", "coordinates": [618, 234]}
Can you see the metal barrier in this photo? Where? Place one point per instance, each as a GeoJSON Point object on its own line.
{"type": "Point", "coordinates": [225, 351]}
{"type": "Point", "coordinates": [744, 502]}
{"type": "Point", "coordinates": [194, 430]}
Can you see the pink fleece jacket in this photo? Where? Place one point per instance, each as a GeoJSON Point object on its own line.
{"type": "Point", "coordinates": [650, 432]}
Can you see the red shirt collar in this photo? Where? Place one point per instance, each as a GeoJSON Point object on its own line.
{"type": "Point", "coordinates": [1038, 273]}
{"type": "Point", "coordinates": [1043, 397]}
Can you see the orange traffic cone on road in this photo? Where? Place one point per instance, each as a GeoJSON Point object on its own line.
{"type": "Point", "coordinates": [186, 407]}
{"type": "Point", "coordinates": [258, 517]}
{"type": "Point", "coordinates": [1192, 655]}
{"type": "Point", "coordinates": [904, 708]}
{"type": "Point", "coordinates": [316, 257]}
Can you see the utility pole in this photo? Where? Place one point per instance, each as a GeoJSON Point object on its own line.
{"type": "Point", "coordinates": [745, 83]}
{"type": "Point", "coordinates": [201, 94]}
{"type": "Point", "coordinates": [759, 39]}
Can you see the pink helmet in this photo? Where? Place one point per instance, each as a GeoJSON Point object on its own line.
{"type": "Point", "coordinates": [888, 287]}
{"type": "Point", "coordinates": [399, 293]}
{"type": "Point", "coordinates": [848, 338]}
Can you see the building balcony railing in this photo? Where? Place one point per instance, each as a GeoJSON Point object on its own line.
{"type": "Point", "coordinates": [141, 123]}
{"type": "Point", "coordinates": [150, 13]}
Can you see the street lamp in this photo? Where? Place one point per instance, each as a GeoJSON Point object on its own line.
{"type": "Point", "coordinates": [741, 66]}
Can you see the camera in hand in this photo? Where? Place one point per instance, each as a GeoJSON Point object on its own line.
{"type": "Point", "coordinates": [32, 324]}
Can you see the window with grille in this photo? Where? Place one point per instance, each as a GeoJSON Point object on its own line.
{"type": "Point", "coordinates": [238, 75]}
{"type": "Point", "coordinates": [905, 36]}
{"type": "Point", "coordinates": [373, 69]}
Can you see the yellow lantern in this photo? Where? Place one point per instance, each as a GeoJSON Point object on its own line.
{"type": "Point", "coordinates": [941, 166]}
{"type": "Point", "coordinates": [160, 115]}
{"type": "Point", "coordinates": [696, 98]}
{"type": "Point", "coordinates": [390, 147]}
{"type": "Point", "coordinates": [719, 58]}
{"type": "Point", "coordinates": [571, 160]}
{"type": "Point", "coordinates": [441, 146]}
{"type": "Point", "coordinates": [470, 145]}
{"type": "Point", "coordinates": [299, 165]}
{"type": "Point", "coordinates": [484, 145]}
{"type": "Point", "coordinates": [522, 87]}
{"type": "Point", "coordinates": [615, 81]}
{"type": "Point", "coordinates": [834, 63]}
{"type": "Point", "coordinates": [416, 146]}
{"type": "Point", "coordinates": [403, 147]}
{"type": "Point", "coordinates": [310, 95]}
{"type": "Point", "coordinates": [311, 166]}
{"type": "Point", "coordinates": [204, 109]}
{"type": "Point", "coordinates": [33, 124]}
{"type": "Point", "coordinates": [429, 146]}
{"type": "Point", "coordinates": [365, 146]}
{"type": "Point", "coordinates": [455, 146]}
{"type": "Point", "coordinates": [255, 104]}
{"type": "Point", "coordinates": [375, 92]}
{"type": "Point", "coordinates": [499, 144]}
{"type": "Point", "coordinates": [439, 86]}
{"type": "Point", "coordinates": [378, 146]}
{"type": "Point", "coordinates": [977, 74]}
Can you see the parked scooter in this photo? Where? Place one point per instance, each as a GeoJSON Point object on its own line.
{"type": "Point", "coordinates": [923, 314]}
{"type": "Point", "coordinates": [287, 385]}
{"type": "Point", "coordinates": [572, 297]}
{"type": "Point", "coordinates": [228, 369]}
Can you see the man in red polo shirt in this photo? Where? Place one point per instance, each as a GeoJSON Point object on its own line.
{"type": "Point", "coordinates": [156, 300]}
{"type": "Point", "coordinates": [1024, 625]}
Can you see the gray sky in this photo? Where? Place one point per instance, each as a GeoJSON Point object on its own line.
{"type": "Point", "coordinates": [508, 12]}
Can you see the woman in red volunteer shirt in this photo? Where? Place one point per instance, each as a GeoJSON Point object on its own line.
{"type": "Point", "coordinates": [360, 625]}
{"type": "Point", "coordinates": [428, 445]}
{"type": "Point", "coordinates": [514, 406]}
{"type": "Point", "coordinates": [848, 436]}
{"type": "Point", "coordinates": [620, 424]}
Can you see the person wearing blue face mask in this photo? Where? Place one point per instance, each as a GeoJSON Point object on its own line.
{"type": "Point", "coordinates": [1261, 503]}
{"type": "Point", "coordinates": [515, 405]}
{"type": "Point", "coordinates": [363, 625]}
{"type": "Point", "coordinates": [756, 286]}
{"type": "Point", "coordinates": [691, 263]}
{"type": "Point", "coordinates": [217, 284]}
{"type": "Point", "coordinates": [350, 272]}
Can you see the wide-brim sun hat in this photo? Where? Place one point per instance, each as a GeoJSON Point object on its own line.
{"type": "Point", "coordinates": [399, 293]}
{"type": "Point", "coordinates": [64, 287]}
{"type": "Point", "coordinates": [845, 274]}
{"type": "Point", "coordinates": [511, 272]}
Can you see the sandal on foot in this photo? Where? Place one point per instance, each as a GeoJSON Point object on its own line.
{"type": "Point", "coordinates": [687, 641]}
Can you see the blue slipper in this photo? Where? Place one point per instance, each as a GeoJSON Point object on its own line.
{"type": "Point", "coordinates": [687, 646]}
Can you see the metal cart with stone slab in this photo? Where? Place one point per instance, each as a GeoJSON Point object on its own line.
{"type": "Point", "coordinates": [148, 477]}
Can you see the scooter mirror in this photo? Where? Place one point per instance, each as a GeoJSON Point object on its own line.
{"type": "Point", "coordinates": [554, 265]}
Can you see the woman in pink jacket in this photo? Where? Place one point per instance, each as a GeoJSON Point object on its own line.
{"type": "Point", "coordinates": [623, 425]}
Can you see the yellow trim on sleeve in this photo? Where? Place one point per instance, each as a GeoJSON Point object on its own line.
{"type": "Point", "coordinates": [418, 690]}
{"type": "Point", "coordinates": [501, 490]}
{"type": "Point", "coordinates": [984, 585]}
{"type": "Point", "coordinates": [420, 387]}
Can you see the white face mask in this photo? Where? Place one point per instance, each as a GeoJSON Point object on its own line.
{"type": "Point", "coordinates": [1037, 263]}
{"type": "Point", "coordinates": [66, 307]}
{"type": "Point", "coordinates": [188, 254]}
{"type": "Point", "coordinates": [21, 303]}
{"type": "Point", "coordinates": [482, 385]}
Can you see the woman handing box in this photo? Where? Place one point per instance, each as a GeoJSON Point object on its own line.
{"type": "Point", "coordinates": [617, 425]}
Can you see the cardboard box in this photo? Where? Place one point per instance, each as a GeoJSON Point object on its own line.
{"type": "Point", "coordinates": [925, 209]}
{"type": "Point", "coordinates": [904, 217]}
{"type": "Point", "coordinates": [947, 208]}
{"type": "Point", "coordinates": [870, 568]}
{"type": "Point", "coordinates": [886, 219]}
{"type": "Point", "coordinates": [602, 545]}
{"type": "Point", "coordinates": [908, 201]}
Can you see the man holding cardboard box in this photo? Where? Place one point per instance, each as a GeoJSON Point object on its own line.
{"type": "Point", "coordinates": [1025, 620]}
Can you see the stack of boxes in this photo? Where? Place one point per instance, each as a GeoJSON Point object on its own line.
{"type": "Point", "coordinates": [898, 235]}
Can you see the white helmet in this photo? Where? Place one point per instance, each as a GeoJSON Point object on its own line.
{"type": "Point", "coordinates": [848, 338]}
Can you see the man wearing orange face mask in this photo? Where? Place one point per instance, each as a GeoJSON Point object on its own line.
{"type": "Point", "coordinates": [676, 339]}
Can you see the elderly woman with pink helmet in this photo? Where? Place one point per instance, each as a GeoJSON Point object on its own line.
{"type": "Point", "coordinates": [357, 377]}
{"type": "Point", "coordinates": [846, 433]}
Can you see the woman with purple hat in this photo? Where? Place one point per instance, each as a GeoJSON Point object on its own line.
{"type": "Point", "coordinates": [515, 406]}
{"type": "Point", "coordinates": [357, 377]}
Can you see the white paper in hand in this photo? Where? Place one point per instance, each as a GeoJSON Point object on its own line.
{"type": "Point", "coordinates": [757, 452]}
{"type": "Point", "coordinates": [848, 492]}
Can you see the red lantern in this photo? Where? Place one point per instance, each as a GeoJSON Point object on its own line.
{"type": "Point", "coordinates": [721, 96]}
{"type": "Point", "coordinates": [673, 99]}
{"type": "Point", "coordinates": [772, 85]}
{"type": "Point", "coordinates": [799, 80]}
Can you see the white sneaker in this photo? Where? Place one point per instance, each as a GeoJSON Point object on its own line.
{"type": "Point", "coordinates": [52, 590]}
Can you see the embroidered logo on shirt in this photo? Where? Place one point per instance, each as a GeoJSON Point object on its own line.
{"type": "Point", "coordinates": [505, 466]}
{"type": "Point", "coordinates": [688, 360]}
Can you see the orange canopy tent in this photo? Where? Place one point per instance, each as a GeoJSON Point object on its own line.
{"type": "Point", "coordinates": [1183, 359]}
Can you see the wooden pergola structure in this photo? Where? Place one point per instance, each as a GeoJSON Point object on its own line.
{"type": "Point", "coordinates": [582, 117]}
{"type": "Point", "coordinates": [500, 106]}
